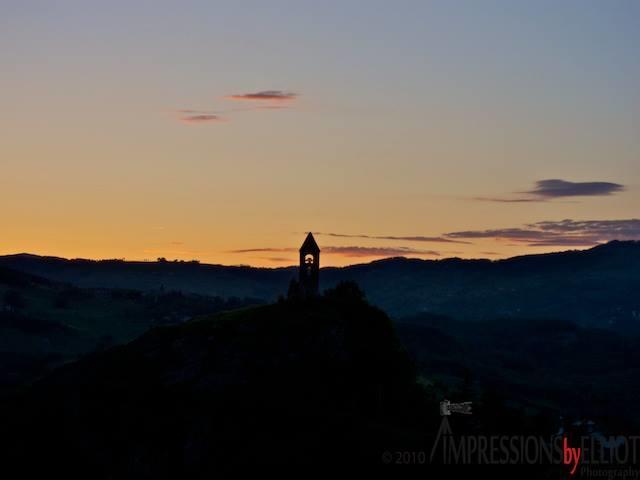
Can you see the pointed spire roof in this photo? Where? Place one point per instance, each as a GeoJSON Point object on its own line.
{"type": "Point", "coordinates": [309, 244]}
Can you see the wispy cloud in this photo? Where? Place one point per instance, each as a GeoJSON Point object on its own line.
{"type": "Point", "coordinates": [603, 229]}
{"type": "Point", "coordinates": [561, 188]}
{"type": "Point", "coordinates": [550, 189]}
{"type": "Point", "coordinates": [347, 251]}
{"type": "Point", "coordinates": [408, 238]}
{"type": "Point", "coordinates": [356, 251]}
{"type": "Point", "coordinates": [563, 233]}
{"type": "Point", "coordinates": [263, 100]}
{"type": "Point", "coordinates": [265, 95]}
{"type": "Point", "coordinates": [188, 111]}
{"type": "Point", "coordinates": [506, 200]}
{"type": "Point", "coordinates": [194, 117]}
{"type": "Point", "coordinates": [560, 233]}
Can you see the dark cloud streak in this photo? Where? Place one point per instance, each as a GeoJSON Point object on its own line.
{"type": "Point", "coordinates": [201, 118]}
{"type": "Point", "coordinates": [560, 233]}
{"type": "Point", "coordinates": [265, 95]}
{"type": "Point", "coordinates": [555, 188]}
{"type": "Point", "coordinates": [506, 200]}
{"type": "Point", "coordinates": [550, 189]}
{"type": "Point", "coordinates": [416, 238]}
{"type": "Point", "coordinates": [347, 251]}
{"type": "Point", "coordinates": [356, 251]}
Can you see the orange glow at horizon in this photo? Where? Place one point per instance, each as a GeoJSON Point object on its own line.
{"type": "Point", "coordinates": [274, 258]}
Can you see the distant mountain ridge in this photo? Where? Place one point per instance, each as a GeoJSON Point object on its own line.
{"type": "Point", "coordinates": [594, 287]}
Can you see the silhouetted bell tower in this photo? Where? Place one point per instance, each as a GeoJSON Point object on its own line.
{"type": "Point", "coordinates": [309, 275]}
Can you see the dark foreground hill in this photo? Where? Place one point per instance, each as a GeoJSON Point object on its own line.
{"type": "Point", "coordinates": [576, 371]}
{"type": "Point", "coordinates": [596, 287]}
{"type": "Point", "coordinates": [44, 323]}
{"type": "Point", "coordinates": [321, 382]}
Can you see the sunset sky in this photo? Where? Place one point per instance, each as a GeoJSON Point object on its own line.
{"type": "Point", "coordinates": [222, 131]}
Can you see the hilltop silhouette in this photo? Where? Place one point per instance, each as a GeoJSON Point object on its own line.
{"type": "Point", "coordinates": [296, 382]}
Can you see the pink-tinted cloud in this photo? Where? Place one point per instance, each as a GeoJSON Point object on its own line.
{"type": "Point", "coordinates": [201, 118]}
{"type": "Point", "coordinates": [266, 100]}
{"type": "Point", "coordinates": [265, 95]}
